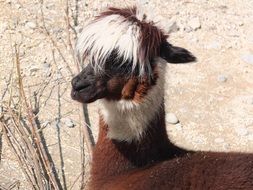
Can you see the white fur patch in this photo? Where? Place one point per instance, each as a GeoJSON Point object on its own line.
{"type": "Point", "coordinates": [103, 36]}
{"type": "Point", "coordinates": [128, 120]}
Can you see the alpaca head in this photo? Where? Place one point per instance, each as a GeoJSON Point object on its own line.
{"type": "Point", "coordinates": [121, 51]}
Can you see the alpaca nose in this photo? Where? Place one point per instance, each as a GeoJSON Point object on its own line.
{"type": "Point", "coordinates": [79, 83]}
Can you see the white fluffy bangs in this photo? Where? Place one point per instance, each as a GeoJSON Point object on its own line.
{"type": "Point", "coordinates": [114, 33]}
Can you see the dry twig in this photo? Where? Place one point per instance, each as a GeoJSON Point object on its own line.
{"type": "Point", "coordinates": [23, 137]}
{"type": "Point", "coordinates": [86, 136]}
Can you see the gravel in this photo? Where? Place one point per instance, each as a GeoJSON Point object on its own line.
{"type": "Point", "coordinates": [172, 27]}
{"type": "Point", "coordinates": [46, 69]}
{"type": "Point", "coordinates": [45, 123]}
{"type": "Point", "coordinates": [242, 131]}
{"type": "Point", "coordinates": [179, 126]}
{"type": "Point", "coordinates": [172, 118]}
{"type": "Point", "coordinates": [69, 122]}
{"type": "Point", "coordinates": [248, 58]}
{"type": "Point", "coordinates": [30, 25]}
{"type": "Point", "coordinates": [3, 27]}
{"type": "Point", "coordinates": [204, 30]}
{"type": "Point", "coordinates": [219, 140]}
{"type": "Point", "coordinates": [222, 78]}
{"type": "Point", "coordinates": [214, 45]}
{"type": "Point", "coordinates": [33, 69]}
{"type": "Point", "coordinates": [250, 101]}
{"type": "Point", "coordinates": [194, 23]}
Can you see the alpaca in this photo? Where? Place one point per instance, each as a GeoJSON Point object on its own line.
{"type": "Point", "coordinates": [127, 55]}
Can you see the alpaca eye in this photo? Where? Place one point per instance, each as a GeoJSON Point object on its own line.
{"type": "Point", "coordinates": [153, 62]}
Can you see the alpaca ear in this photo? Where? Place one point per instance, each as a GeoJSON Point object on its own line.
{"type": "Point", "coordinates": [173, 54]}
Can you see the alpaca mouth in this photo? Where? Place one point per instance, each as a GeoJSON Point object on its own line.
{"type": "Point", "coordinates": [83, 95]}
{"type": "Point", "coordinates": [81, 88]}
{"type": "Point", "coordinates": [88, 94]}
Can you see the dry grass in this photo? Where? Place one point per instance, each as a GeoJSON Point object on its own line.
{"type": "Point", "coordinates": [24, 136]}
{"type": "Point", "coordinates": [22, 130]}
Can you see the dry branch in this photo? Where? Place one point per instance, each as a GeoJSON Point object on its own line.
{"type": "Point", "coordinates": [22, 135]}
{"type": "Point", "coordinates": [87, 136]}
{"type": "Point", "coordinates": [54, 43]}
{"type": "Point", "coordinates": [20, 126]}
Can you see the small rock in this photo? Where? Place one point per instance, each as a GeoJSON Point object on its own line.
{"type": "Point", "coordinates": [30, 25]}
{"type": "Point", "coordinates": [194, 40]}
{"type": "Point", "coordinates": [213, 45]}
{"type": "Point", "coordinates": [250, 101]}
{"type": "Point", "coordinates": [188, 29]}
{"type": "Point", "coordinates": [199, 141]}
{"type": "Point", "coordinates": [222, 78]}
{"type": "Point", "coordinates": [45, 123]}
{"type": "Point", "coordinates": [172, 118]}
{"type": "Point", "coordinates": [222, 7]}
{"type": "Point", "coordinates": [226, 147]}
{"type": "Point", "coordinates": [46, 65]}
{"type": "Point", "coordinates": [18, 6]}
{"type": "Point", "coordinates": [179, 126]}
{"type": "Point", "coordinates": [240, 23]}
{"type": "Point", "coordinates": [60, 67]}
{"type": "Point", "coordinates": [46, 69]}
{"type": "Point", "coordinates": [105, 5]}
{"type": "Point", "coordinates": [58, 76]}
{"type": "Point", "coordinates": [172, 27]}
{"type": "Point", "coordinates": [248, 58]}
{"type": "Point", "coordinates": [47, 73]}
{"type": "Point", "coordinates": [144, 2]}
{"type": "Point", "coordinates": [57, 31]}
{"type": "Point", "coordinates": [32, 70]}
{"type": "Point", "coordinates": [219, 140]}
{"type": "Point", "coordinates": [69, 123]}
{"type": "Point", "coordinates": [3, 27]}
{"type": "Point", "coordinates": [69, 78]}
{"type": "Point", "coordinates": [50, 5]}
{"type": "Point", "coordinates": [194, 23]}
{"type": "Point", "coordinates": [78, 29]}
{"type": "Point", "coordinates": [241, 131]}
{"type": "Point", "coordinates": [250, 39]}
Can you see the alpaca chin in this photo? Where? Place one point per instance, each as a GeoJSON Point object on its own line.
{"type": "Point", "coordinates": [128, 120]}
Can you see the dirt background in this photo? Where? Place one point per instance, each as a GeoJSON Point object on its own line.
{"type": "Point", "coordinates": [212, 98]}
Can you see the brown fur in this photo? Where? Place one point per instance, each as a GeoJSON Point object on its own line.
{"type": "Point", "coordinates": [113, 88]}
{"type": "Point", "coordinates": [128, 13]}
{"type": "Point", "coordinates": [152, 162]}
{"type": "Point", "coordinates": [141, 91]}
{"type": "Point", "coordinates": [112, 158]}
{"type": "Point", "coordinates": [129, 89]}
{"type": "Point", "coordinates": [155, 163]}
{"type": "Point", "coordinates": [199, 171]}
{"type": "Point", "coordinates": [144, 85]}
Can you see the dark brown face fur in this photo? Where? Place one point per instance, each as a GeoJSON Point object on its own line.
{"type": "Point", "coordinates": [117, 83]}
{"type": "Point", "coordinates": [88, 87]}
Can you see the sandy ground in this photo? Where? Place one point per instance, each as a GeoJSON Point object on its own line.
{"type": "Point", "coordinates": [212, 98]}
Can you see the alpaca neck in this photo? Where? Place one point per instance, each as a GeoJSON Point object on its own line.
{"type": "Point", "coordinates": [112, 157]}
{"type": "Point", "coordinates": [131, 134]}
{"type": "Point", "coordinates": [128, 119]}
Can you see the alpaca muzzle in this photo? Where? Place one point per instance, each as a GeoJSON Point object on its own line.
{"type": "Point", "coordinates": [86, 88]}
